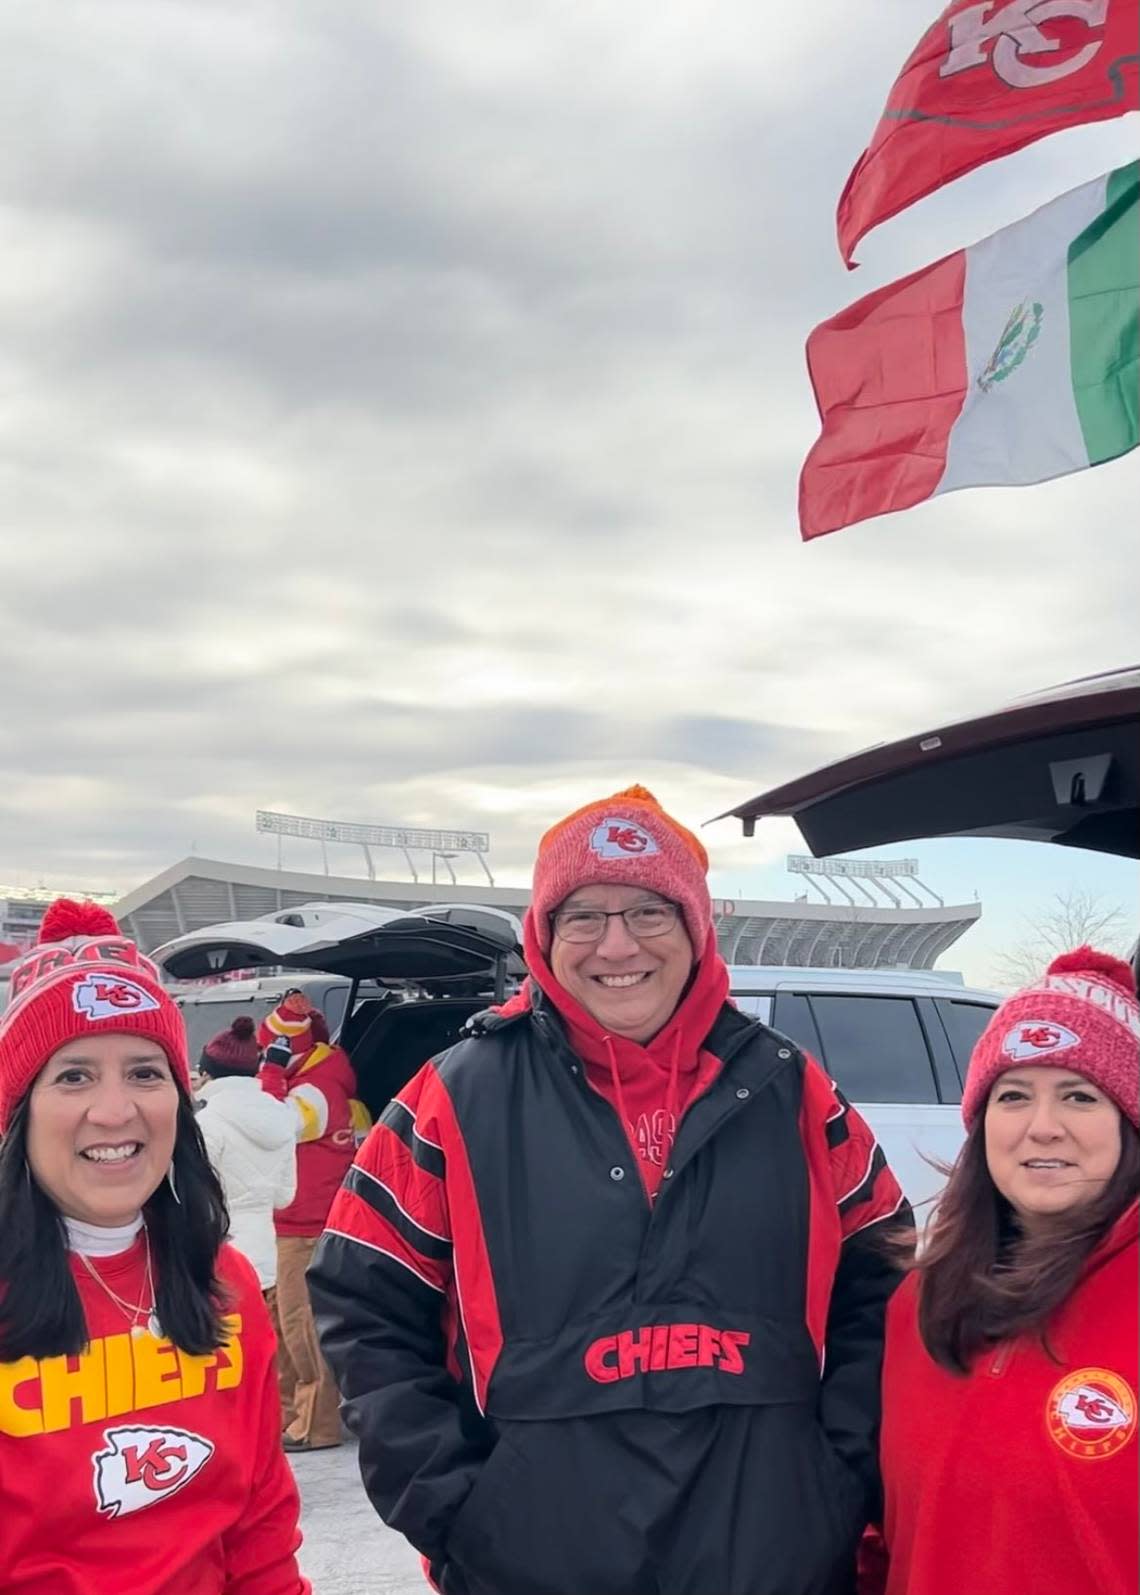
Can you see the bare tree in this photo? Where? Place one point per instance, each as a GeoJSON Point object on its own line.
{"type": "Point", "coordinates": [1074, 918]}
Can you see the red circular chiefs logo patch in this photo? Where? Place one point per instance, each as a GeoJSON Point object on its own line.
{"type": "Point", "coordinates": [1091, 1413]}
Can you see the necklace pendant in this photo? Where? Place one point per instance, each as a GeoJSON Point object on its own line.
{"type": "Point", "coordinates": [155, 1327]}
{"type": "Point", "coordinates": [138, 1330]}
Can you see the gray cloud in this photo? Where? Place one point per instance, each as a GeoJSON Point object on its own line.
{"type": "Point", "coordinates": [400, 416]}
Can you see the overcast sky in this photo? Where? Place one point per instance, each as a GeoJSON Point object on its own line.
{"type": "Point", "coordinates": [400, 417]}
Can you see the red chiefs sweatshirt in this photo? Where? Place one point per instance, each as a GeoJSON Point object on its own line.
{"type": "Point", "coordinates": [649, 1087]}
{"type": "Point", "coordinates": [137, 1469]}
{"type": "Point", "coordinates": [1021, 1477]}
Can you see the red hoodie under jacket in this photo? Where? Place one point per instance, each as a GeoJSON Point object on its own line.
{"type": "Point", "coordinates": [1021, 1477]}
{"type": "Point", "coordinates": [137, 1469]}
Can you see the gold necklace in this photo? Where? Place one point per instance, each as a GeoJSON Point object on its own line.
{"type": "Point", "coordinates": [140, 1317]}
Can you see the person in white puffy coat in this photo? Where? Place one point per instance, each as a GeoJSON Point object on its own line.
{"type": "Point", "coordinates": [251, 1140]}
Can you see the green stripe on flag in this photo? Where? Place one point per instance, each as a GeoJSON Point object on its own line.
{"type": "Point", "coordinates": [1104, 320]}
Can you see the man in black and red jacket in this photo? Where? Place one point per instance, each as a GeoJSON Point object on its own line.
{"type": "Point", "coordinates": [604, 1289]}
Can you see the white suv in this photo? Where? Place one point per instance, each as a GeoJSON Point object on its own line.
{"type": "Point", "coordinates": [896, 1042]}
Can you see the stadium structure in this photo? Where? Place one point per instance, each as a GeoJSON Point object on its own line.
{"type": "Point", "coordinates": [197, 892]}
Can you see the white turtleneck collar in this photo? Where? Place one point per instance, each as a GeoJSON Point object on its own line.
{"type": "Point", "coordinates": [100, 1240]}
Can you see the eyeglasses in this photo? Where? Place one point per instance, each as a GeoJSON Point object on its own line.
{"type": "Point", "coordinates": [643, 920]}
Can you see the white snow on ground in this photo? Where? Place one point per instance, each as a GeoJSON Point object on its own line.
{"type": "Point", "coordinates": [347, 1550]}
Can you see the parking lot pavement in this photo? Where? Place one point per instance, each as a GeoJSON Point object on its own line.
{"type": "Point", "coordinates": [347, 1550]}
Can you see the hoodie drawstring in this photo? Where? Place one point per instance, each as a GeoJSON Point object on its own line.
{"type": "Point", "coordinates": [615, 1075]}
{"type": "Point", "coordinates": [672, 1095]}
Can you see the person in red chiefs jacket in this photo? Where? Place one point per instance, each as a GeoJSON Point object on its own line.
{"type": "Point", "coordinates": [603, 1291]}
{"type": "Point", "coordinates": [139, 1443]}
{"type": "Point", "coordinates": [1009, 1448]}
{"type": "Point", "coordinates": [317, 1081]}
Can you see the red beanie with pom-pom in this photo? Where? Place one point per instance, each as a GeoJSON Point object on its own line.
{"type": "Point", "coordinates": [235, 1049]}
{"type": "Point", "coordinates": [83, 977]}
{"type": "Point", "coordinates": [1082, 1015]}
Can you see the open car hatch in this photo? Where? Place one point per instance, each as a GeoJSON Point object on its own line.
{"type": "Point", "coordinates": [1062, 766]}
{"type": "Point", "coordinates": [427, 947]}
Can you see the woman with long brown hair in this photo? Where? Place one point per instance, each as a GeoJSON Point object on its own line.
{"type": "Point", "coordinates": [140, 1448]}
{"type": "Point", "coordinates": [1009, 1449]}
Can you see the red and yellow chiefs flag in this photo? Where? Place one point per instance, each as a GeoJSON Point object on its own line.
{"type": "Point", "coordinates": [988, 78]}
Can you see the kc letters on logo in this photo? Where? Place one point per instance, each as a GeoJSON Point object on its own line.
{"type": "Point", "coordinates": [622, 839]}
{"type": "Point", "coordinates": [1015, 33]}
{"type": "Point", "coordinates": [143, 1465]}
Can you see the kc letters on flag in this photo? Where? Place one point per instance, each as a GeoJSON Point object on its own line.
{"type": "Point", "coordinates": [985, 80]}
{"type": "Point", "coordinates": [1009, 362]}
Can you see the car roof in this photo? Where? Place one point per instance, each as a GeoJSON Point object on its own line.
{"type": "Point", "coordinates": [746, 979]}
{"type": "Point", "coordinates": [1059, 766]}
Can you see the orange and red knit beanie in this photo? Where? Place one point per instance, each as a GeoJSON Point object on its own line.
{"type": "Point", "coordinates": [1082, 1015]}
{"type": "Point", "coordinates": [292, 1020]}
{"type": "Point", "coordinates": [624, 840]}
{"type": "Point", "coordinates": [82, 978]}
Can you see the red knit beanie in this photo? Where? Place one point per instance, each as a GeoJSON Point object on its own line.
{"type": "Point", "coordinates": [83, 977]}
{"type": "Point", "coordinates": [235, 1049]}
{"type": "Point", "coordinates": [1082, 1015]}
{"type": "Point", "coordinates": [624, 840]}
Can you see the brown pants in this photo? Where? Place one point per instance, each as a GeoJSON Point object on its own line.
{"type": "Point", "coordinates": [310, 1408]}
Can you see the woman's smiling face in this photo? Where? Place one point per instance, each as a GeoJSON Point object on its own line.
{"type": "Point", "coordinates": [102, 1117]}
{"type": "Point", "coordinates": [1053, 1140]}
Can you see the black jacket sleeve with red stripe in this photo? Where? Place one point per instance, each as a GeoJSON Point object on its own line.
{"type": "Point", "coordinates": [381, 1287]}
{"type": "Point", "coordinates": [875, 1219]}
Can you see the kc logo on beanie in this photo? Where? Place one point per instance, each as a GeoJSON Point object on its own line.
{"type": "Point", "coordinates": [621, 839]}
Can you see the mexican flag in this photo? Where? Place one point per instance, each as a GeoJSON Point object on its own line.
{"type": "Point", "coordinates": [1013, 361]}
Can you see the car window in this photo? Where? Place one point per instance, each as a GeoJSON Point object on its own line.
{"type": "Point", "coordinates": [334, 1003]}
{"type": "Point", "coordinates": [205, 1019]}
{"type": "Point", "coordinates": [964, 1022]}
{"type": "Point", "coordinates": [791, 1016]}
{"type": "Point", "coordinates": [874, 1048]}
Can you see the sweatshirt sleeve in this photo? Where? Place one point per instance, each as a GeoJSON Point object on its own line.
{"type": "Point", "coordinates": [381, 1282]}
{"type": "Point", "coordinates": [870, 1206]}
{"type": "Point", "coordinates": [285, 1188]}
{"type": "Point", "coordinates": [260, 1549]}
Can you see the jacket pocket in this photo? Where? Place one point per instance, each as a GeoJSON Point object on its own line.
{"type": "Point", "coordinates": [479, 1526]}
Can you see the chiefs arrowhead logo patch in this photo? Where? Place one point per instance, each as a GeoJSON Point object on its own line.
{"type": "Point", "coordinates": [108, 997]}
{"type": "Point", "coordinates": [1036, 1038]}
{"type": "Point", "coordinates": [622, 839]}
{"type": "Point", "coordinates": [1091, 1413]}
{"type": "Point", "coordinates": [143, 1465]}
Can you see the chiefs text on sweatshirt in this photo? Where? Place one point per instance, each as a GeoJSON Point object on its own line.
{"type": "Point", "coordinates": [1021, 1477]}
{"type": "Point", "coordinates": [137, 1469]}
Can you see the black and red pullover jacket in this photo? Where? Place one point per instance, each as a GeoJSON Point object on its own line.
{"type": "Point", "coordinates": [561, 1389]}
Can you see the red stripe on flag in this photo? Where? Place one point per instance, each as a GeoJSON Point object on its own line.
{"type": "Point", "coordinates": [889, 375]}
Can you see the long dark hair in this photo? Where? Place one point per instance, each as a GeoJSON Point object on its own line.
{"type": "Point", "coordinates": [984, 1279]}
{"type": "Point", "coordinates": [41, 1314]}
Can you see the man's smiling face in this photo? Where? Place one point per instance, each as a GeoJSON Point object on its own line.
{"type": "Point", "coordinates": [630, 985]}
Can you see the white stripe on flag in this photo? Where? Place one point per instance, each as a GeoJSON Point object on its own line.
{"type": "Point", "coordinates": [1025, 428]}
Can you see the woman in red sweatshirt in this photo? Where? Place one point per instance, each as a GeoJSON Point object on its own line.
{"type": "Point", "coordinates": [1009, 1446]}
{"type": "Point", "coordinates": [140, 1447]}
